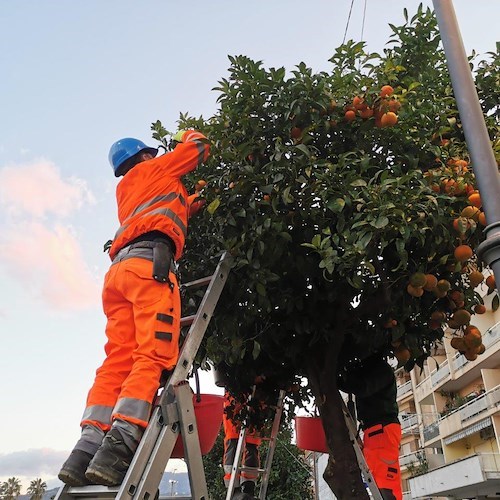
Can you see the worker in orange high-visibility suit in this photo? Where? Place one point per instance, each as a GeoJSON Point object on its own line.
{"type": "Point", "coordinates": [142, 303]}
{"type": "Point", "coordinates": [245, 482]}
{"type": "Point", "coordinates": [373, 384]}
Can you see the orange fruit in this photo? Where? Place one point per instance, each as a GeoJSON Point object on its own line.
{"type": "Point", "coordinates": [394, 105]}
{"type": "Point", "coordinates": [482, 218]}
{"type": "Point", "coordinates": [472, 337]}
{"type": "Point", "coordinates": [266, 197]}
{"type": "Point", "coordinates": [430, 282]}
{"type": "Point", "coordinates": [463, 253]}
{"type": "Point", "coordinates": [475, 278]}
{"type": "Point", "coordinates": [475, 199]}
{"type": "Point", "coordinates": [480, 309]}
{"type": "Point", "coordinates": [461, 317]}
{"type": "Point", "coordinates": [418, 280]}
{"type": "Point", "coordinates": [366, 113]}
{"type": "Point", "coordinates": [389, 119]}
{"type": "Point", "coordinates": [458, 343]}
{"type": "Point", "coordinates": [470, 355]}
{"type": "Point", "coordinates": [359, 103]}
{"type": "Point", "coordinates": [471, 212]}
{"type": "Point", "coordinates": [386, 90]}
{"type": "Point", "coordinates": [296, 132]}
{"type": "Point", "coordinates": [350, 115]}
{"type": "Point", "coordinates": [481, 349]}
{"type": "Point", "coordinates": [443, 286]}
{"type": "Point", "coordinates": [415, 291]}
{"type": "Point", "coordinates": [490, 281]}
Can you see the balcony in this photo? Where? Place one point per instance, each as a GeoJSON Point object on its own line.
{"type": "Point", "coordinates": [409, 423]}
{"type": "Point", "coordinates": [440, 374]}
{"type": "Point", "coordinates": [404, 389]}
{"type": "Point", "coordinates": [455, 424]}
{"type": "Point", "coordinates": [471, 477]}
{"type": "Point", "coordinates": [431, 431]}
{"type": "Point", "coordinates": [410, 458]}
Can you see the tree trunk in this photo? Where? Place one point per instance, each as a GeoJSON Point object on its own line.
{"type": "Point", "coordinates": [342, 473]}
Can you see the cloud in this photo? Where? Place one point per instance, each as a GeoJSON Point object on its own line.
{"type": "Point", "coordinates": [51, 264]}
{"type": "Point", "coordinates": [37, 189]}
{"type": "Point", "coordinates": [32, 463]}
{"type": "Point", "coordinates": [37, 245]}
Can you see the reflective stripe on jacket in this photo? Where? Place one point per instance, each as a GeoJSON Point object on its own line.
{"type": "Point", "coordinates": [152, 197]}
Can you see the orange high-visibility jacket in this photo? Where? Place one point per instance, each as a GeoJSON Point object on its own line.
{"type": "Point", "coordinates": [151, 197]}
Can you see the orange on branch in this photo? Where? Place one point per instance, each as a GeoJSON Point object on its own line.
{"type": "Point", "coordinates": [386, 90]}
{"type": "Point", "coordinates": [350, 115]}
{"type": "Point", "coordinates": [475, 199]}
{"type": "Point", "coordinates": [389, 119]}
{"type": "Point", "coordinates": [463, 253]}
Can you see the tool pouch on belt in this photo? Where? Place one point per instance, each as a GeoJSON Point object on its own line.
{"type": "Point", "coordinates": [162, 260]}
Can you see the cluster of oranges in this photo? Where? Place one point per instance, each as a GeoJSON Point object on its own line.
{"type": "Point", "coordinates": [384, 108]}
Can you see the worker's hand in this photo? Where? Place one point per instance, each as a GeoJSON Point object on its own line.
{"type": "Point", "coordinates": [178, 136]}
{"type": "Point", "coordinates": [195, 204]}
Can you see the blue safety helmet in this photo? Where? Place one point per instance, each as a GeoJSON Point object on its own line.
{"type": "Point", "coordinates": [124, 149]}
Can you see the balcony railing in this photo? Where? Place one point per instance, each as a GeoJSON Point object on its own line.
{"type": "Point", "coordinates": [404, 388]}
{"type": "Point", "coordinates": [431, 431]}
{"type": "Point", "coordinates": [492, 336]}
{"type": "Point", "coordinates": [410, 458]}
{"type": "Point", "coordinates": [488, 400]}
{"type": "Point", "coordinates": [442, 372]}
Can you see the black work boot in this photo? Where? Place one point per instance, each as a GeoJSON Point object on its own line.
{"type": "Point", "coordinates": [246, 491]}
{"type": "Point", "coordinates": [387, 494]}
{"type": "Point", "coordinates": [111, 462]}
{"type": "Point", "coordinates": [72, 472]}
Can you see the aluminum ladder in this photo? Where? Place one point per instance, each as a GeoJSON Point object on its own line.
{"type": "Point", "coordinates": [172, 415]}
{"type": "Point", "coordinates": [266, 470]}
{"type": "Point", "coordinates": [365, 470]}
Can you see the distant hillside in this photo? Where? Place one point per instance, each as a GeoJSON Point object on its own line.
{"type": "Point", "coordinates": [180, 487]}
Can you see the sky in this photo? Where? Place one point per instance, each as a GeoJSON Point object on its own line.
{"type": "Point", "coordinates": [74, 78]}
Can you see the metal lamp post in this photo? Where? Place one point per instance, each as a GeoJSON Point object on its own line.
{"type": "Point", "coordinates": [476, 134]}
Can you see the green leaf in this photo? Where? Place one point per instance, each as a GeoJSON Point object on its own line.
{"type": "Point", "coordinates": [255, 350]}
{"type": "Point", "coordinates": [495, 303]}
{"type": "Point", "coordinates": [337, 205]}
{"type": "Point", "coordinates": [381, 222]}
{"type": "Point", "coordinates": [212, 207]}
{"type": "Point", "coordinates": [359, 183]}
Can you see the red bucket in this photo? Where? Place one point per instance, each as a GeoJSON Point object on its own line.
{"type": "Point", "coordinates": [310, 435]}
{"type": "Point", "coordinates": [208, 412]}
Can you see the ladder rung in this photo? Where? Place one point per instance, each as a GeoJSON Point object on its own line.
{"type": "Point", "coordinates": [187, 320]}
{"type": "Point", "coordinates": [251, 469]}
{"type": "Point", "coordinates": [200, 282]}
{"type": "Point", "coordinates": [93, 491]}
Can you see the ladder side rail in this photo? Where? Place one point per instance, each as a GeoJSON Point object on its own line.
{"type": "Point", "coordinates": [365, 470]}
{"type": "Point", "coordinates": [155, 433]}
{"type": "Point", "coordinates": [191, 441]}
{"type": "Point", "coordinates": [202, 318]}
{"type": "Point", "coordinates": [236, 462]}
{"type": "Point", "coordinates": [162, 429]}
{"type": "Point", "coordinates": [157, 462]}
{"type": "Point", "coordinates": [272, 445]}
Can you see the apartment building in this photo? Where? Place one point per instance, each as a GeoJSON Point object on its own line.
{"type": "Point", "coordinates": [450, 418]}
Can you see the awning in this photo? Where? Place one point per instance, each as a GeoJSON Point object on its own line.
{"type": "Point", "coordinates": [469, 430]}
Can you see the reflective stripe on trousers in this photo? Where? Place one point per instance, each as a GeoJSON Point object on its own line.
{"type": "Point", "coordinates": [143, 324]}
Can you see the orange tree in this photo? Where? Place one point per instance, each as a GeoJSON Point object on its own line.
{"type": "Point", "coordinates": [345, 198]}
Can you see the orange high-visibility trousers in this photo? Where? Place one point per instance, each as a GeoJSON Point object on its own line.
{"type": "Point", "coordinates": [143, 324]}
{"type": "Point", "coordinates": [250, 457]}
{"type": "Point", "coordinates": [381, 451]}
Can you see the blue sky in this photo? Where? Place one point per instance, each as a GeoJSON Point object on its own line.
{"type": "Point", "coordinates": [76, 76]}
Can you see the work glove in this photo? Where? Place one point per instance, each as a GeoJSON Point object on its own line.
{"type": "Point", "coordinates": [178, 136]}
{"type": "Point", "coordinates": [194, 204]}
